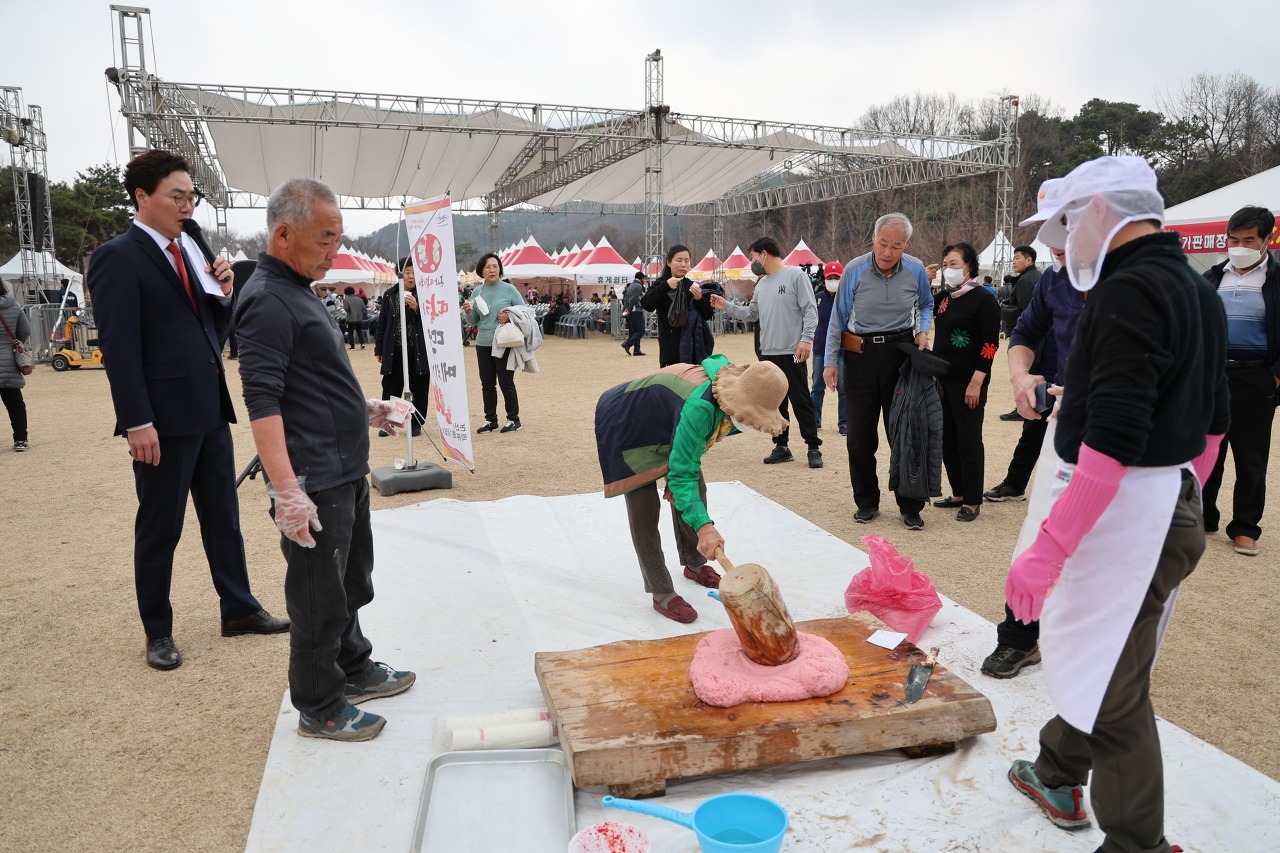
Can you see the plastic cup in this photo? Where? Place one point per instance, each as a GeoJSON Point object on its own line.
{"type": "Point", "coordinates": [610, 837]}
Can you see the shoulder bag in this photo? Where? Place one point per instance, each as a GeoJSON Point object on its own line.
{"type": "Point", "coordinates": [22, 356]}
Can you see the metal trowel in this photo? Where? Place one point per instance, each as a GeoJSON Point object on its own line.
{"type": "Point", "coordinates": [919, 676]}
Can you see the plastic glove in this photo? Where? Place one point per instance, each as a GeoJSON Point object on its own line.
{"type": "Point", "coordinates": [1203, 464]}
{"type": "Point", "coordinates": [1093, 486]}
{"type": "Point", "coordinates": [295, 513]}
{"type": "Point", "coordinates": [1033, 576]}
{"type": "Point", "coordinates": [378, 411]}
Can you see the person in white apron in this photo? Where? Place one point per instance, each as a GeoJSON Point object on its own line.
{"type": "Point", "coordinates": [1137, 435]}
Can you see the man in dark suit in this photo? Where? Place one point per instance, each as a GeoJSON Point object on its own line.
{"type": "Point", "coordinates": [161, 337]}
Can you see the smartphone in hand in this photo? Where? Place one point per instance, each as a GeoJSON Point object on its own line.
{"type": "Point", "coordinates": [1043, 403]}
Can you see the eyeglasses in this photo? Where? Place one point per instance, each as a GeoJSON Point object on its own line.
{"type": "Point", "coordinates": [181, 199]}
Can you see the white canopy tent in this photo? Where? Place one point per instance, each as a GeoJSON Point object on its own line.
{"type": "Point", "coordinates": [987, 257]}
{"type": "Point", "coordinates": [12, 270]}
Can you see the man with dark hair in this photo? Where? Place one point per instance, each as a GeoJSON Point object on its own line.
{"type": "Point", "coordinates": [1248, 283]}
{"type": "Point", "coordinates": [884, 300]}
{"type": "Point", "coordinates": [1026, 274]}
{"type": "Point", "coordinates": [787, 316]}
{"type": "Point", "coordinates": [634, 314]}
{"type": "Point", "coordinates": [311, 426]}
{"type": "Point", "coordinates": [161, 335]}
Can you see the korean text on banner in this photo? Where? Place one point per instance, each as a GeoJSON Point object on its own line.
{"type": "Point", "coordinates": [430, 228]}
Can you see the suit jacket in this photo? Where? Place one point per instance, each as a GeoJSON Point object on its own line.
{"type": "Point", "coordinates": [163, 359]}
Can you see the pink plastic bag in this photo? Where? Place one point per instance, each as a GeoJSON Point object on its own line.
{"type": "Point", "coordinates": [891, 590]}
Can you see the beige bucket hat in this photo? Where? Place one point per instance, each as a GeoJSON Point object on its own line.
{"type": "Point", "coordinates": [752, 393]}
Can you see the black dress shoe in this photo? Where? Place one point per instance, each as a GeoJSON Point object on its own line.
{"type": "Point", "coordinates": [1011, 416]}
{"type": "Point", "coordinates": [637, 352]}
{"type": "Point", "coordinates": [949, 503]}
{"type": "Point", "coordinates": [967, 514]}
{"type": "Point", "coordinates": [261, 622]}
{"type": "Point", "coordinates": [163, 654]}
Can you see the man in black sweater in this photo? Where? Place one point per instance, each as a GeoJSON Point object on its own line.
{"type": "Point", "coordinates": [1142, 426]}
{"type": "Point", "coordinates": [311, 426]}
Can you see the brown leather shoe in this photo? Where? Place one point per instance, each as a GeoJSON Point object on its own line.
{"type": "Point", "coordinates": [261, 622]}
{"type": "Point", "coordinates": [163, 654]}
{"type": "Point", "coordinates": [1245, 545]}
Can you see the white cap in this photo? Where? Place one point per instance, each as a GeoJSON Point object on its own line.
{"type": "Point", "coordinates": [1048, 200]}
{"type": "Point", "coordinates": [1128, 182]}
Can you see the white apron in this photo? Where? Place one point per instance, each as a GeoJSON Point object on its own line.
{"type": "Point", "coordinates": [1089, 614]}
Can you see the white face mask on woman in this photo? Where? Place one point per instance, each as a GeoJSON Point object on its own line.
{"type": "Point", "coordinates": [953, 277]}
{"type": "Point", "coordinates": [833, 284]}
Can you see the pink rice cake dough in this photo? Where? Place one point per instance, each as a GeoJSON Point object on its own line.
{"type": "Point", "coordinates": [724, 676]}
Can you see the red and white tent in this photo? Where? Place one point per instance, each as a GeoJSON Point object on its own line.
{"type": "Point", "coordinates": [530, 262]}
{"type": "Point", "coordinates": [802, 254]}
{"type": "Point", "coordinates": [603, 265]}
{"type": "Point", "coordinates": [737, 267]}
{"type": "Point", "coordinates": [706, 268]}
{"type": "Point", "coordinates": [637, 263]}
{"type": "Point", "coordinates": [566, 260]}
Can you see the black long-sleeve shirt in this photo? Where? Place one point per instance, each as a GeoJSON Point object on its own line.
{"type": "Point", "coordinates": [293, 364]}
{"type": "Point", "coordinates": [1146, 380]}
{"type": "Point", "coordinates": [966, 332]}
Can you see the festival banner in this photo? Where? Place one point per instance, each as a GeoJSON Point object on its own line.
{"type": "Point", "coordinates": [430, 228]}
{"type": "Point", "coordinates": [1202, 237]}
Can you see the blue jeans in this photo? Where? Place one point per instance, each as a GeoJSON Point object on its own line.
{"type": "Point", "coordinates": [820, 388]}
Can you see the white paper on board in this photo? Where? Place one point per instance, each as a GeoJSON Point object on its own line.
{"type": "Point", "coordinates": [886, 639]}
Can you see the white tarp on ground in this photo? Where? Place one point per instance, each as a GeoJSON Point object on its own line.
{"type": "Point", "coordinates": [467, 592]}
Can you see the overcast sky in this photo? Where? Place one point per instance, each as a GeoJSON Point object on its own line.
{"type": "Point", "coordinates": [812, 61]}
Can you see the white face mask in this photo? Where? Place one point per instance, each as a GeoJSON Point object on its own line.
{"type": "Point", "coordinates": [740, 425]}
{"type": "Point", "coordinates": [1057, 264]}
{"type": "Point", "coordinates": [953, 277]}
{"type": "Point", "coordinates": [1242, 257]}
{"type": "Point", "coordinates": [833, 284]}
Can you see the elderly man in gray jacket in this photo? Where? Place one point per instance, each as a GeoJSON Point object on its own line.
{"type": "Point", "coordinates": [787, 313]}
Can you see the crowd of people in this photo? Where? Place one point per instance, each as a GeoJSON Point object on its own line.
{"type": "Point", "coordinates": [1133, 376]}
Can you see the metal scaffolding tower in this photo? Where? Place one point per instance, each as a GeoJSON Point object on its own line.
{"type": "Point", "coordinates": [655, 122]}
{"type": "Point", "coordinates": [23, 131]}
{"type": "Point", "coordinates": [559, 146]}
{"type": "Point", "coordinates": [1008, 140]}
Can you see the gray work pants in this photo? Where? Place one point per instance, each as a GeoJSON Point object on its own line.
{"type": "Point", "coordinates": [1123, 751]}
{"type": "Point", "coordinates": [644, 508]}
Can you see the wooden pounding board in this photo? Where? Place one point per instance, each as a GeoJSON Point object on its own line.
{"type": "Point", "coordinates": [628, 716]}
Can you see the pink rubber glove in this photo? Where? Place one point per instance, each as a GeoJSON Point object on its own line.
{"type": "Point", "coordinates": [378, 411]}
{"type": "Point", "coordinates": [296, 514]}
{"type": "Point", "coordinates": [1203, 464]}
{"type": "Point", "coordinates": [1032, 576]}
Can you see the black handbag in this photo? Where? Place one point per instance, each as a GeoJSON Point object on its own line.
{"type": "Point", "coordinates": [678, 313]}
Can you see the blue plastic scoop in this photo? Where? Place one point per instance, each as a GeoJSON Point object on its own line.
{"type": "Point", "coordinates": [728, 823]}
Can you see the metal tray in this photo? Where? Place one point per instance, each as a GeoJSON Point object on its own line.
{"type": "Point", "coordinates": [493, 800]}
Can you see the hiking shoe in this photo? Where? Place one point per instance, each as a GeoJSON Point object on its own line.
{"type": "Point", "coordinates": [1060, 805]}
{"type": "Point", "coordinates": [511, 426]}
{"type": "Point", "coordinates": [865, 516]}
{"type": "Point", "coordinates": [704, 575]}
{"type": "Point", "coordinates": [815, 458]}
{"type": "Point", "coordinates": [1006, 661]}
{"type": "Point", "coordinates": [384, 681]}
{"type": "Point", "coordinates": [781, 453]}
{"type": "Point", "coordinates": [677, 609]}
{"type": "Point", "coordinates": [350, 724]}
{"type": "Point", "coordinates": [489, 426]}
{"type": "Point", "coordinates": [1004, 493]}
{"type": "Point", "coordinates": [913, 521]}
{"type": "Point", "coordinates": [19, 446]}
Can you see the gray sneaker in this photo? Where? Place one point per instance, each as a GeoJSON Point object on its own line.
{"type": "Point", "coordinates": [1004, 493]}
{"type": "Point", "coordinates": [1006, 661]}
{"type": "Point", "coordinates": [350, 724]}
{"type": "Point", "coordinates": [384, 681]}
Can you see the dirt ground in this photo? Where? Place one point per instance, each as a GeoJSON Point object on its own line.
{"type": "Point", "coordinates": [99, 752]}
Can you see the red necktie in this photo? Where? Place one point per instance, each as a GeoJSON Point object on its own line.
{"type": "Point", "coordinates": [176, 251]}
